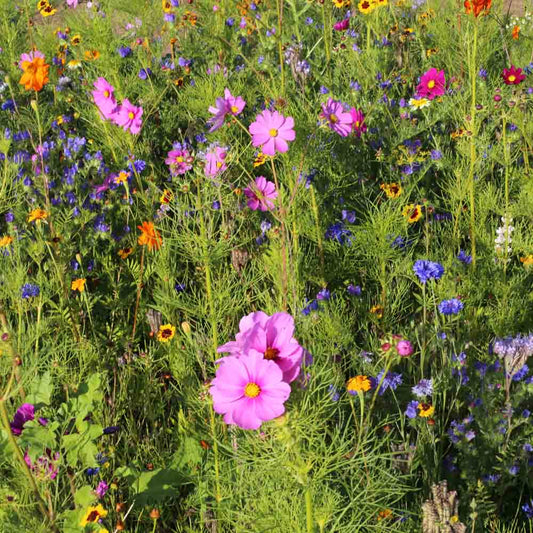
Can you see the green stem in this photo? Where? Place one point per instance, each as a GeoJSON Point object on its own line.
{"type": "Point", "coordinates": [327, 31]}
{"type": "Point", "coordinates": [279, 4]}
{"type": "Point", "coordinates": [314, 207]}
{"type": "Point", "coordinates": [309, 509]}
{"type": "Point", "coordinates": [424, 320]}
{"type": "Point", "coordinates": [471, 184]}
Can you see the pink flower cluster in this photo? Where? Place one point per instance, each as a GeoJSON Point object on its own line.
{"type": "Point", "coordinates": [252, 383]}
{"type": "Point", "coordinates": [341, 120]}
{"type": "Point", "coordinates": [125, 115]}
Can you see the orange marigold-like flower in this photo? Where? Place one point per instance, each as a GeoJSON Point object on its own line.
{"type": "Point", "coordinates": [35, 74]}
{"type": "Point", "coordinates": [149, 236]}
{"type": "Point", "coordinates": [516, 32]}
{"type": "Point", "coordinates": [78, 284]}
{"type": "Point", "coordinates": [358, 384]}
{"type": "Point", "coordinates": [37, 214]}
{"type": "Point", "coordinates": [5, 241]}
{"type": "Point", "coordinates": [477, 7]}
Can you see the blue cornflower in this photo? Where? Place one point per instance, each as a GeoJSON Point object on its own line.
{"type": "Point", "coordinates": [354, 290]}
{"type": "Point", "coordinates": [124, 51]}
{"type": "Point", "coordinates": [323, 90]}
{"type": "Point", "coordinates": [179, 287]}
{"type": "Point", "coordinates": [482, 73]}
{"type": "Point", "coordinates": [390, 381]}
{"type": "Point", "coordinates": [334, 393]}
{"type": "Point", "coordinates": [311, 306]}
{"type": "Point", "coordinates": [323, 294]}
{"type": "Point", "coordinates": [309, 21]}
{"type": "Point", "coordinates": [412, 409]}
{"type": "Point", "coordinates": [526, 413]}
{"type": "Point", "coordinates": [92, 471]}
{"type": "Point", "coordinates": [521, 374]}
{"type": "Point", "coordinates": [230, 22]}
{"type": "Point", "coordinates": [338, 232]}
{"type": "Point", "coordinates": [528, 509]}
{"type": "Point", "coordinates": [513, 470]}
{"type": "Point", "coordinates": [355, 86]}
{"type": "Point", "coordinates": [110, 430]}
{"type": "Point", "coordinates": [9, 217]}
{"type": "Point", "coordinates": [436, 155]}
{"type": "Point", "coordinates": [464, 257]}
{"type": "Point", "coordinates": [426, 270]}
{"type": "Point", "coordinates": [144, 73]}
{"type": "Point", "coordinates": [349, 216]}
{"type": "Point", "coordinates": [30, 291]}
{"type": "Point", "coordinates": [423, 388]}
{"type": "Point", "coordinates": [451, 307]}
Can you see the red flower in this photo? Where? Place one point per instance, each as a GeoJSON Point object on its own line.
{"type": "Point", "coordinates": [477, 7]}
{"type": "Point", "coordinates": [513, 75]}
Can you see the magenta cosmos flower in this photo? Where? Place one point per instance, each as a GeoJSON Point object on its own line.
{"type": "Point", "coordinates": [404, 348]}
{"type": "Point", "coordinates": [215, 161]}
{"type": "Point", "coordinates": [260, 194]}
{"type": "Point", "coordinates": [270, 336]}
{"type": "Point", "coordinates": [513, 75]}
{"type": "Point", "coordinates": [179, 160]}
{"type": "Point", "coordinates": [342, 25]}
{"type": "Point", "coordinates": [104, 98]}
{"type": "Point", "coordinates": [432, 84]}
{"type": "Point", "coordinates": [249, 390]}
{"type": "Point", "coordinates": [128, 116]}
{"type": "Point", "coordinates": [229, 105]}
{"type": "Point", "coordinates": [338, 120]}
{"type": "Point", "coordinates": [271, 130]}
{"type": "Point", "coordinates": [28, 58]}
{"type": "Point", "coordinates": [25, 413]}
{"type": "Point", "coordinates": [358, 121]}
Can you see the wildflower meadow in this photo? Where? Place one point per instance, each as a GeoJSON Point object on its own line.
{"type": "Point", "coordinates": [266, 266]}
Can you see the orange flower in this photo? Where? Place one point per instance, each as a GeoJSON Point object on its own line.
{"type": "Point", "coordinates": [91, 55]}
{"type": "Point", "coordinates": [78, 284]}
{"type": "Point", "coordinates": [149, 236]}
{"type": "Point", "coordinates": [37, 214]}
{"type": "Point", "coordinates": [358, 384]}
{"type": "Point", "coordinates": [477, 7]}
{"type": "Point", "coordinates": [125, 252]}
{"type": "Point", "coordinates": [516, 32]}
{"type": "Point", "coordinates": [35, 74]}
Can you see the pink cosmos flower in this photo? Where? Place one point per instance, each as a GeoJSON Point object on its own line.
{"type": "Point", "coordinates": [342, 25]}
{"type": "Point", "coordinates": [358, 121]}
{"type": "Point", "coordinates": [270, 336]}
{"type": "Point", "coordinates": [101, 489]}
{"type": "Point", "coordinates": [229, 105]}
{"type": "Point", "coordinates": [338, 120]}
{"type": "Point", "coordinates": [249, 391]}
{"type": "Point", "coordinates": [28, 58]}
{"type": "Point", "coordinates": [271, 130]}
{"type": "Point", "coordinates": [432, 84]}
{"type": "Point", "coordinates": [179, 160]}
{"type": "Point", "coordinates": [260, 194]}
{"type": "Point", "coordinates": [45, 467]}
{"type": "Point", "coordinates": [513, 75]}
{"type": "Point", "coordinates": [72, 3]}
{"type": "Point", "coordinates": [128, 116]}
{"type": "Point", "coordinates": [404, 348]}
{"type": "Point", "coordinates": [104, 98]}
{"type": "Point", "coordinates": [215, 161]}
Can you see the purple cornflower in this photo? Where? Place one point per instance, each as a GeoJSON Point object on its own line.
{"type": "Point", "coordinates": [464, 257]}
{"type": "Point", "coordinates": [426, 270]}
{"type": "Point", "coordinates": [451, 307]}
{"type": "Point", "coordinates": [101, 489]}
{"type": "Point", "coordinates": [124, 51]}
{"type": "Point", "coordinates": [354, 290]}
{"type": "Point", "coordinates": [30, 291]}
{"type": "Point", "coordinates": [390, 381]}
{"type": "Point", "coordinates": [412, 409]}
{"type": "Point", "coordinates": [423, 388]}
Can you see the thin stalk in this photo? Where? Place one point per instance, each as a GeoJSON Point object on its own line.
{"type": "Point", "coordinates": [137, 300]}
{"type": "Point", "coordinates": [424, 321]}
{"type": "Point", "coordinates": [471, 184]}
{"type": "Point", "coordinates": [327, 31]}
{"type": "Point", "coordinates": [309, 509]}
{"type": "Point", "coordinates": [214, 335]}
{"type": "Point", "coordinates": [279, 4]}
{"type": "Point", "coordinates": [314, 208]}
{"type": "Point", "coordinates": [284, 277]}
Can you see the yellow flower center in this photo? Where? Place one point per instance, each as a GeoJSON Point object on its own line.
{"type": "Point", "coordinates": [131, 115]}
{"type": "Point", "coordinates": [271, 354]}
{"type": "Point", "coordinates": [219, 164]}
{"type": "Point", "coordinates": [106, 94]}
{"type": "Point", "coordinates": [357, 123]}
{"type": "Point", "coordinates": [333, 118]}
{"type": "Point", "coordinates": [512, 78]}
{"type": "Point", "coordinates": [179, 159]}
{"type": "Point", "coordinates": [234, 109]}
{"type": "Point", "coordinates": [252, 390]}
{"type": "Point", "coordinates": [273, 132]}
{"type": "Point", "coordinates": [431, 84]}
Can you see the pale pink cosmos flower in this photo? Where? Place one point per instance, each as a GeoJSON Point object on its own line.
{"type": "Point", "coordinates": [104, 98]}
{"type": "Point", "coordinates": [260, 194]}
{"type": "Point", "coordinates": [72, 3]}
{"type": "Point", "coordinates": [179, 159]}
{"type": "Point", "coordinates": [270, 336]}
{"type": "Point", "coordinates": [271, 130]}
{"type": "Point", "coordinates": [338, 120]}
{"type": "Point", "coordinates": [432, 84]}
{"type": "Point", "coordinates": [128, 116]}
{"type": "Point", "coordinates": [249, 391]}
{"type": "Point", "coordinates": [215, 161]}
{"type": "Point", "coordinates": [358, 121]}
{"type": "Point", "coordinates": [228, 105]}
{"type": "Point", "coordinates": [28, 58]}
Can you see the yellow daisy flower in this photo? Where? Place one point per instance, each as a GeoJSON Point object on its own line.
{"type": "Point", "coordinates": [166, 333]}
{"type": "Point", "coordinates": [412, 212]}
{"type": "Point", "coordinates": [92, 515]}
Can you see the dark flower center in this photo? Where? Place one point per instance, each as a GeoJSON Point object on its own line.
{"type": "Point", "coordinates": [271, 354]}
{"type": "Point", "coordinates": [166, 333]}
